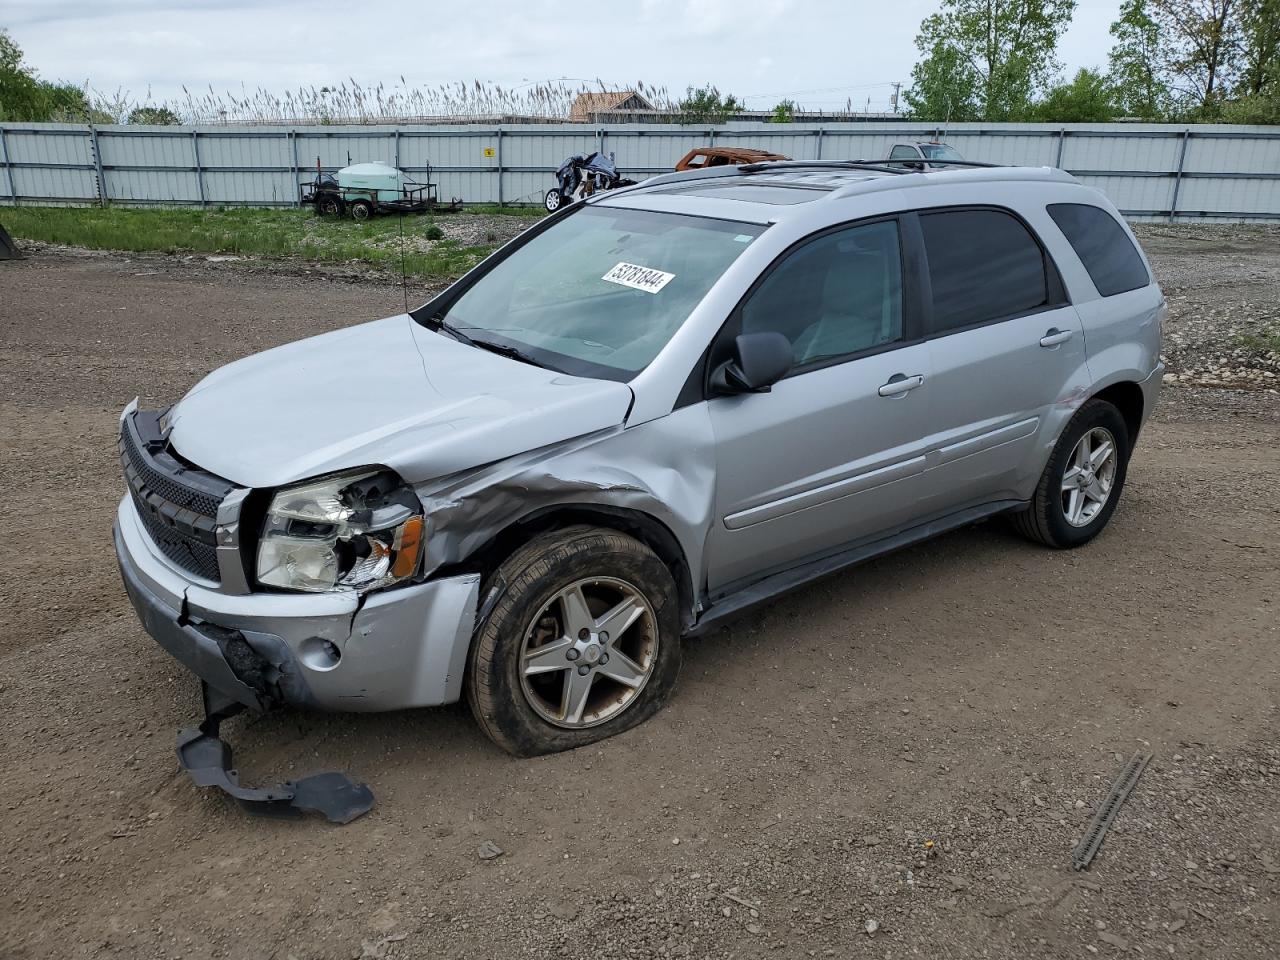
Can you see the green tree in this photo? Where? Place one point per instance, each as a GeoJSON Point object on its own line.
{"type": "Point", "coordinates": [1001, 52]}
{"type": "Point", "coordinates": [1136, 78]}
{"type": "Point", "coordinates": [707, 105]}
{"type": "Point", "coordinates": [1259, 47]}
{"type": "Point", "coordinates": [22, 95]}
{"type": "Point", "coordinates": [1263, 109]}
{"type": "Point", "coordinates": [1088, 98]}
{"type": "Point", "coordinates": [784, 112]}
{"type": "Point", "coordinates": [1200, 46]}
{"type": "Point", "coordinates": [944, 86]}
{"type": "Point", "coordinates": [156, 116]}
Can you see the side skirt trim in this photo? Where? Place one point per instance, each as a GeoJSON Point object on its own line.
{"type": "Point", "coordinates": [779, 583]}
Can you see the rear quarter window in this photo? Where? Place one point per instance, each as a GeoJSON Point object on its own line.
{"type": "Point", "coordinates": [1113, 262]}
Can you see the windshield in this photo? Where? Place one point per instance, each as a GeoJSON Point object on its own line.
{"type": "Point", "coordinates": [939, 151]}
{"type": "Point", "coordinates": [602, 292]}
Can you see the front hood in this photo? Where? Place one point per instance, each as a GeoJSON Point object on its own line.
{"type": "Point", "coordinates": [389, 392]}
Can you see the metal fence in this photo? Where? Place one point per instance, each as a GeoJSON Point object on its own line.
{"type": "Point", "coordinates": [1150, 171]}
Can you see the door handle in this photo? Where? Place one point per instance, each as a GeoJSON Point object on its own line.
{"type": "Point", "coordinates": [899, 384]}
{"type": "Point", "coordinates": [1054, 336]}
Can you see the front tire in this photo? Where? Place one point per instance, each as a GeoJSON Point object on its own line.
{"type": "Point", "coordinates": [1082, 482]}
{"type": "Point", "coordinates": [583, 642]}
{"type": "Point", "coordinates": [553, 201]}
{"type": "Point", "coordinates": [361, 210]}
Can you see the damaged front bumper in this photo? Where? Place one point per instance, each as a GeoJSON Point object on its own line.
{"type": "Point", "coordinates": [405, 647]}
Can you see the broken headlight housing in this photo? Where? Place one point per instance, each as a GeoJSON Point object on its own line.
{"type": "Point", "coordinates": [357, 531]}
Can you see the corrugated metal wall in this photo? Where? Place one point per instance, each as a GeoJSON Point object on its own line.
{"type": "Point", "coordinates": [1150, 171]}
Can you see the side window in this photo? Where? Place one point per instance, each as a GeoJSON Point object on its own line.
{"type": "Point", "coordinates": [983, 265]}
{"type": "Point", "coordinates": [903, 153]}
{"type": "Point", "coordinates": [1106, 251]}
{"type": "Point", "coordinates": [697, 160]}
{"type": "Point", "coordinates": [836, 295]}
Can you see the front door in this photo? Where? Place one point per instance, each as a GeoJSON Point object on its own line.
{"type": "Point", "coordinates": [833, 453]}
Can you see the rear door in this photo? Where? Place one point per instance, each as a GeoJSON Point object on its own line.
{"type": "Point", "coordinates": [833, 452]}
{"type": "Point", "coordinates": [1005, 348]}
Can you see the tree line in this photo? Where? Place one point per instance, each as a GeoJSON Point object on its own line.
{"type": "Point", "coordinates": [1170, 60]}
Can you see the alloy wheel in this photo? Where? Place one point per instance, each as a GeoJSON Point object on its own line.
{"type": "Point", "coordinates": [1090, 476]}
{"type": "Point", "coordinates": [588, 652]}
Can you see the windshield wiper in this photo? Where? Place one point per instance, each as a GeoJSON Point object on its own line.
{"type": "Point", "coordinates": [515, 353]}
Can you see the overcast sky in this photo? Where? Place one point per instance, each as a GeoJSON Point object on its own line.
{"type": "Point", "coordinates": [817, 52]}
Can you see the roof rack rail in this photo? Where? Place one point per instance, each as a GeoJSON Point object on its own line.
{"type": "Point", "coordinates": [877, 166]}
{"type": "Point", "coordinates": [949, 163]}
{"type": "Point", "coordinates": [733, 170]}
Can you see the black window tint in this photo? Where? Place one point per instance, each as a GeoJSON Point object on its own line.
{"type": "Point", "coordinates": [1106, 251]}
{"type": "Point", "coordinates": [983, 265]}
{"type": "Point", "coordinates": [836, 295]}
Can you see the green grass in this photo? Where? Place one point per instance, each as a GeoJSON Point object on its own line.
{"type": "Point", "coordinates": [1264, 341]}
{"type": "Point", "coordinates": [265, 233]}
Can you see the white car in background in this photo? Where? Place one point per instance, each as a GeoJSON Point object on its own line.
{"type": "Point", "coordinates": [924, 155]}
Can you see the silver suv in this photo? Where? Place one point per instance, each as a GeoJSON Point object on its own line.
{"type": "Point", "coordinates": [649, 412]}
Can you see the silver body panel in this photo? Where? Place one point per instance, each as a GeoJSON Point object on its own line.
{"type": "Point", "coordinates": [747, 486]}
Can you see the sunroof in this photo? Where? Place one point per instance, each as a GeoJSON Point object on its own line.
{"type": "Point", "coordinates": [782, 187]}
{"type": "Point", "coordinates": [748, 192]}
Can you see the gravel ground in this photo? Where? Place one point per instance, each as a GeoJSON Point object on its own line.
{"type": "Point", "coordinates": [1221, 283]}
{"type": "Point", "coordinates": [894, 762]}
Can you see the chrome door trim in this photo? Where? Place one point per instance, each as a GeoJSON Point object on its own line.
{"type": "Point", "coordinates": [825, 493]}
{"type": "Point", "coordinates": [985, 441]}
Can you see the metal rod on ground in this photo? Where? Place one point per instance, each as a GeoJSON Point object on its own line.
{"type": "Point", "coordinates": [1091, 843]}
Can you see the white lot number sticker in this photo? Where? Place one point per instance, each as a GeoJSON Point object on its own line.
{"type": "Point", "coordinates": [639, 278]}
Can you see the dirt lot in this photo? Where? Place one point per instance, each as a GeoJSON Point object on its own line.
{"type": "Point", "coordinates": [977, 692]}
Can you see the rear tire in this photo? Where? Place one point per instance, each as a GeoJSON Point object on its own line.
{"type": "Point", "coordinates": [553, 201]}
{"type": "Point", "coordinates": [1082, 482]}
{"type": "Point", "coordinates": [361, 210]}
{"type": "Point", "coordinates": [541, 679]}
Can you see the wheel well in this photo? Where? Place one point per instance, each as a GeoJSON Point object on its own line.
{"type": "Point", "coordinates": [1127, 398]}
{"type": "Point", "coordinates": [651, 532]}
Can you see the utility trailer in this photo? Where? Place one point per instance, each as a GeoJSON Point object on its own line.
{"type": "Point", "coordinates": [365, 189]}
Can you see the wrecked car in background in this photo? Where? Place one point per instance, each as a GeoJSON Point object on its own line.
{"type": "Point", "coordinates": [582, 175]}
{"type": "Point", "coordinates": [924, 155]}
{"type": "Point", "coordinates": [647, 413]}
{"type": "Point", "coordinates": [702, 157]}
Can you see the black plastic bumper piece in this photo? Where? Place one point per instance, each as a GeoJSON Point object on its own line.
{"type": "Point", "coordinates": [207, 758]}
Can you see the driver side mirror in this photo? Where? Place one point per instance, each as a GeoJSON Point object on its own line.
{"type": "Point", "coordinates": [759, 361]}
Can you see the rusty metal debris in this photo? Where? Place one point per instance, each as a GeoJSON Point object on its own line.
{"type": "Point", "coordinates": [1089, 846]}
{"type": "Point", "coordinates": [701, 157]}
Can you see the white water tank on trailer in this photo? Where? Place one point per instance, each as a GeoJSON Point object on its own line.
{"type": "Point", "coordinates": [385, 179]}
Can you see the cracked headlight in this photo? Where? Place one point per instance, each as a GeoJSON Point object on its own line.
{"type": "Point", "coordinates": [354, 531]}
